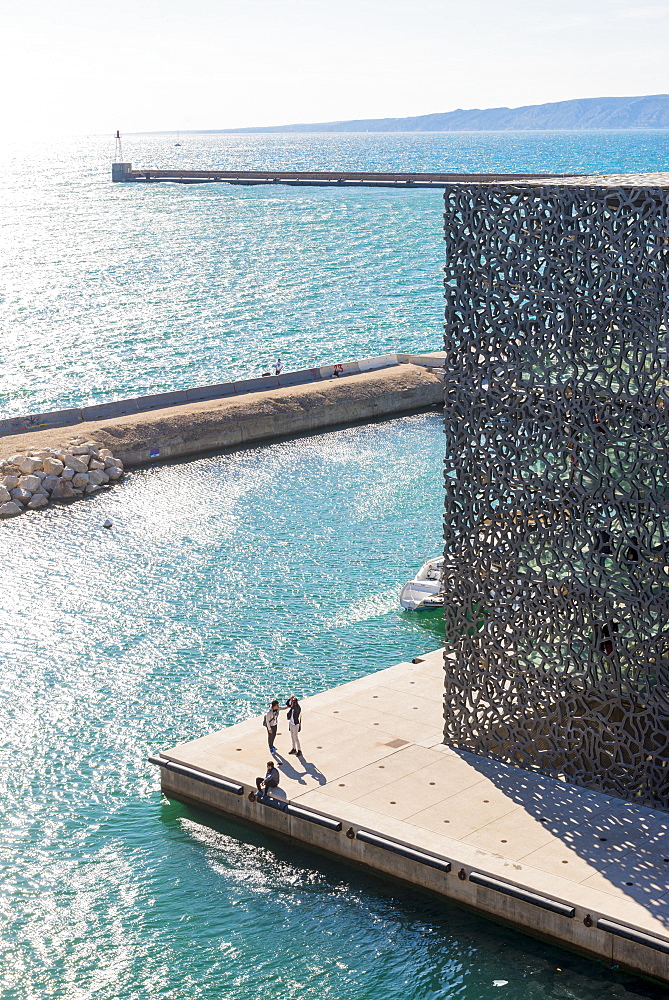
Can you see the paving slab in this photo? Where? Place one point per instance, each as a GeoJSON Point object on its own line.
{"type": "Point", "coordinates": [378, 787]}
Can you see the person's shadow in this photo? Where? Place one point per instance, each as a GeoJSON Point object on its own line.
{"type": "Point", "coordinates": [273, 793]}
{"type": "Point", "coordinates": [309, 768]}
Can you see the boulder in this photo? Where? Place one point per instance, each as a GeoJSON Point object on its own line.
{"type": "Point", "coordinates": [31, 483]}
{"type": "Point", "coordinates": [80, 480]}
{"type": "Point", "coordinates": [49, 483]}
{"type": "Point", "coordinates": [91, 488]}
{"type": "Point", "coordinates": [10, 482]}
{"type": "Point", "coordinates": [98, 478]}
{"type": "Point", "coordinates": [79, 449]}
{"type": "Point", "coordinates": [20, 496]}
{"type": "Point", "coordinates": [78, 463]}
{"type": "Point", "coordinates": [4, 495]}
{"type": "Point", "coordinates": [67, 474]}
{"type": "Point", "coordinates": [95, 464]}
{"type": "Point", "coordinates": [52, 466]}
{"type": "Point", "coordinates": [27, 465]}
{"type": "Point", "coordinates": [10, 509]}
{"type": "Point", "coordinates": [104, 453]}
{"type": "Point", "coordinates": [39, 500]}
{"type": "Point", "coordinates": [114, 472]}
{"type": "Point", "coordinates": [62, 490]}
{"type": "Point", "coordinates": [40, 475]}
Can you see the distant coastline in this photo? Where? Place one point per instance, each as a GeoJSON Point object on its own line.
{"type": "Point", "coordinates": [589, 113]}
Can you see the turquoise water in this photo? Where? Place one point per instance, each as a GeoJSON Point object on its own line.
{"type": "Point", "coordinates": [225, 580]}
{"type": "Point", "coordinates": [111, 290]}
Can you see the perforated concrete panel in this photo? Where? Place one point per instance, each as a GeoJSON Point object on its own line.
{"type": "Point", "coordinates": [557, 479]}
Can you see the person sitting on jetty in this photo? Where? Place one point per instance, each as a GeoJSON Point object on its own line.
{"type": "Point", "coordinates": [270, 781]}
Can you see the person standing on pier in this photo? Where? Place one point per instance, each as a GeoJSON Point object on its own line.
{"type": "Point", "coordinates": [278, 367]}
{"type": "Point", "coordinates": [294, 726]}
{"type": "Point", "coordinates": [271, 723]}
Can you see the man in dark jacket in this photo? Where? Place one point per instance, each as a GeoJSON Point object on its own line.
{"type": "Point", "coordinates": [270, 781]}
{"type": "Point", "coordinates": [294, 714]}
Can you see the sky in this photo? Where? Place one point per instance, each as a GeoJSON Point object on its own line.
{"type": "Point", "coordinates": [87, 67]}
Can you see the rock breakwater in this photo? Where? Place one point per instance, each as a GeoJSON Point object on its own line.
{"type": "Point", "coordinates": [33, 479]}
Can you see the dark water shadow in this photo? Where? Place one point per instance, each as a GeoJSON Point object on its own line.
{"type": "Point", "coordinates": [627, 844]}
{"type": "Point", "coordinates": [421, 622]}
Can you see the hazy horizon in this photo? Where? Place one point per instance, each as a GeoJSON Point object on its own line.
{"type": "Point", "coordinates": [78, 68]}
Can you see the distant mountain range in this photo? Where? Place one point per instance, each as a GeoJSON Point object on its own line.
{"type": "Point", "coordinates": [587, 113]}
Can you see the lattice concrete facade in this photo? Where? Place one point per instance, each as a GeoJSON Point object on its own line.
{"type": "Point", "coordinates": [557, 478]}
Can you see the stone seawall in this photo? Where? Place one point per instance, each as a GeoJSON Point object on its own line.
{"type": "Point", "coordinates": [139, 439]}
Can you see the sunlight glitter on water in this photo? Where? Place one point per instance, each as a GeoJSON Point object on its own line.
{"type": "Point", "coordinates": [226, 580]}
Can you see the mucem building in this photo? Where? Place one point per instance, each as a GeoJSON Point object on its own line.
{"type": "Point", "coordinates": [557, 478]}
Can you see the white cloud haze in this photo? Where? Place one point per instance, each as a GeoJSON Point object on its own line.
{"type": "Point", "coordinates": [78, 67]}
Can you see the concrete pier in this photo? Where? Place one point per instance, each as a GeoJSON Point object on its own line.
{"type": "Point", "coordinates": [377, 788]}
{"type": "Point", "coordinates": [123, 173]}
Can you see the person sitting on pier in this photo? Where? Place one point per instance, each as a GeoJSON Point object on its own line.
{"type": "Point", "coordinates": [271, 780]}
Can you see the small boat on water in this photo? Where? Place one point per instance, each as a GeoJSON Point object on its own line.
{"type": "Point", "coordinates": [424, 592]}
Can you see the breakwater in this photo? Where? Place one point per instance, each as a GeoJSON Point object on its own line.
{"type": "Point", "coordinates": [30, 480]}
{"type": "Point", "coordinates": [123, 173]}
{"type": "Point", "coordinates": [221, 390]}
{"type": "Point", "coordinates": [189, 428]}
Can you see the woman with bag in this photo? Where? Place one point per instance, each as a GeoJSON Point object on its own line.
{"type": "Point", "coordinates": [294, 714]}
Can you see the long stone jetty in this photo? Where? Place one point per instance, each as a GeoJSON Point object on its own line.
{"type": "Point", "coordinates": [177, 431]}
{"type": "Point", "coordinates": [123, 173]}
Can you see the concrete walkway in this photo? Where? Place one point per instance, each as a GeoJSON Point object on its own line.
{"type": "Point", "coordinates": [374, 760]}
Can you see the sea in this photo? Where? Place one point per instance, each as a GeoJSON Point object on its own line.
{"type": "Point", "coordinates": [229, 579]}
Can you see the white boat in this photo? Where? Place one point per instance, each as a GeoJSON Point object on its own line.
{"type": "Point", "coordinates": [424, 592]}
